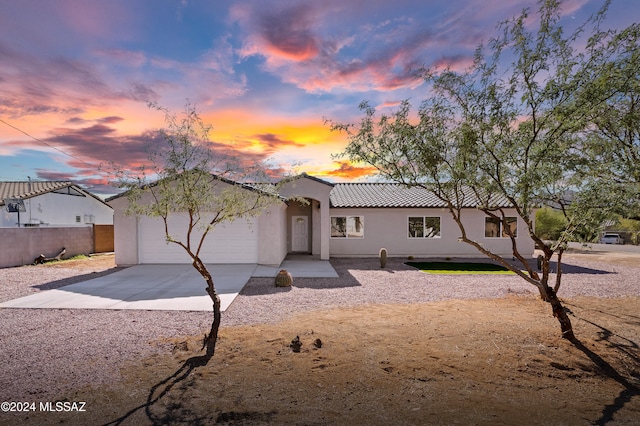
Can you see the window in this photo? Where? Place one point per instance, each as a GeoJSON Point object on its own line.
{"type": "Point", "coordinates": [424, 227]}
{"type": "Point", "coordinates": [77, 219]}
{"type": "Point", "coordinates": [493, 227]}
{"type": "Point", "coordinates": [347, 227]}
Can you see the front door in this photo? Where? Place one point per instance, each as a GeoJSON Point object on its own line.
{"type": "Point", "coordinates": [300, 233]}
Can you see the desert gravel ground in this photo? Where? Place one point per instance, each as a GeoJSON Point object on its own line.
{"type": "Point", "coordinates": [47, 352]}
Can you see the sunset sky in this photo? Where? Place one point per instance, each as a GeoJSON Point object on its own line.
{"type": "Point", "coordinates": [76, 76]}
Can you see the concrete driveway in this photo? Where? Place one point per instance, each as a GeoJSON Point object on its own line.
{"type": "Point", "coordinates": [163, 287]}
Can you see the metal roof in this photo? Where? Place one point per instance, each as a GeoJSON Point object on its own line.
{"type": "Point", "coordinates": [26, 189]}
{"type": "Point", "coordinates": [385, 195]}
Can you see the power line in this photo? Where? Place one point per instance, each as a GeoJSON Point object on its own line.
{"type": "Point", "coordinates": [47, 144]}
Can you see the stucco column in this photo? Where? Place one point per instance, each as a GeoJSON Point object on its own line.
{"type": "Point", "coordinates": [325, 227]}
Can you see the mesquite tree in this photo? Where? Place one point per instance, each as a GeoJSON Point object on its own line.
{"type": "Point", "coordinates": [188, 177]}
{"type": "Point", "coordinates": [614, 129]}
{"type": "Point", "coordinates": [511, 127]}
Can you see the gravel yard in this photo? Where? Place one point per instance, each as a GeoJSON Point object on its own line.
{"type": "Point", "coordinates": [46, 352]}
{"type": "Point", "coordinates": [363, 282]}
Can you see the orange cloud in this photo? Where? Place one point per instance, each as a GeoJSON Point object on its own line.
{"type": "Point", "coordinates": [267, 132]}
{"type": "Point", "coordinates": [348, 171]}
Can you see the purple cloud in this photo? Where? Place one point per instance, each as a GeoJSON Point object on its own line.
{"type": "Point", "coordinates": [98, 149]}
{"type": "Point", "coordinates": [273, 142]}
{"type": "Point", "coordinates": [333, 45]}
{"type": "Point", "coordinates": [289, 33]}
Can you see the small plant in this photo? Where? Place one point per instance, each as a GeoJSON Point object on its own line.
{"type": "Point", "coordinates": [296, 344]}
{"type": "Point", "coordinates": [410, 258]}
{"type": "Point", "coordinates": [284, 279]}
{"type": "Point", "coordinates": [383, 257]}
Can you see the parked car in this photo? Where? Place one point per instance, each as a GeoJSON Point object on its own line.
{"type": "Point", "coordinates": [611, 238]}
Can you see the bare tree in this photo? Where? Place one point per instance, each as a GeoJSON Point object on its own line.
{"type": "Point", "coordinates": [188, 177]}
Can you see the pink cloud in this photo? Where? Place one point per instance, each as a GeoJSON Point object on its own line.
{"type": "Point", "coordinates": [92, 184]}
{"type": "Point", "coordinates": [389, 104]}
{"type": "Point", "coordinates": [58, 85]}
{"type": "Point", "coordinates": [316, 49]}
{"type": "Point", "coordinates": [289, 33]}
{"type": "Point", "coordinates": [326, 47]}
{"type": "Point", "coordinates": [98, 148]}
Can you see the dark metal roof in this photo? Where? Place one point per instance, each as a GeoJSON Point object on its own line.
{"type": "Point", "coordinates": [26, 189]}
{"type": "Point", "coordinates": [304, 175]}
{"type": "Point", "coordinates": [385, 195]}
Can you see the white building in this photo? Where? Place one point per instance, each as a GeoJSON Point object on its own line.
{"type": "Point", "coordinates": [50, 203]}
{"type": "Point", "coordinates": [339, 220]}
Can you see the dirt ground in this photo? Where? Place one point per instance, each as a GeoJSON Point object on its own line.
{"type": "Point", "coordinates": [472, 362]}
{"type": "Point", "coordinates": [97, 262]}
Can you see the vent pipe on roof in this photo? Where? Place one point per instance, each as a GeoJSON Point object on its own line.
{"type": "Point", "coordinates": [30, 218]}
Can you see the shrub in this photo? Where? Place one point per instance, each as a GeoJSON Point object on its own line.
{"type": "Point", "coordinates": [550, 223]}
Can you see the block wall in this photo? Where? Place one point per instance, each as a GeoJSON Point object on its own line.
{"type": "Point", "coordinates": [20, 246]}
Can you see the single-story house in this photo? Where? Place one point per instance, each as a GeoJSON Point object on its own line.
{"type": "Point", "coordinates": [339, 220]}
{"type": "Point", "coordinates": [50, 203]}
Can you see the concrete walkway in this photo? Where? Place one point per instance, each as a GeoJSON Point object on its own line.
{"type": "Point", "coordinates": [163, 287]}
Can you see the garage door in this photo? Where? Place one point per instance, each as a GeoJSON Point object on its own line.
{"type": "Point", "coordinates": [232, 242]}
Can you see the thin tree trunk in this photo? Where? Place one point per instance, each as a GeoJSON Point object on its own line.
{"type": "Point", "coordinates": [561, 314]}
{"type": "Point", "coordinates": [542, 287]}
{"type": "Point", "coordinates": [559, 273]}
{"type": "Point", "coordinates": [211, 339]}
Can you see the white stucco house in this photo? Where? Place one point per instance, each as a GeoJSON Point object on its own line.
{"type": "Point", "coordinates": [339, 220]}
{"type": "Point", "coordinates": [50, 203]}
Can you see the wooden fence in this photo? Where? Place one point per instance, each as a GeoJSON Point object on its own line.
{"type": "Point", "coordinates": [102, 238]}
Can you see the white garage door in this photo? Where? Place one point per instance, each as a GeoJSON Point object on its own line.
{"type": "Point", "coordinates": [231, 242]}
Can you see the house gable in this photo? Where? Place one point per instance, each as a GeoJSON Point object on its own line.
{"type": "Point", "coordinates": [53, 203]}
{"type": "Point", "coordinates": [316, 191]}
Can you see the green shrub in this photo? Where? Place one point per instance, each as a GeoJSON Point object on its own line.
{"type": "Point", "coordinates": [550, 223]}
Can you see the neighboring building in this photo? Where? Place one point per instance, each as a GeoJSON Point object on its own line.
{"type": "Point", "coordinates": [339, 220]}
{"type": "Point", "coordinates": [50, 203]}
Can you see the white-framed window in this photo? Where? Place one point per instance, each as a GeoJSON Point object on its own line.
{"type": "Point", "coordinates": [78, 219]}
{"type": "Point", "coordinates": [347, 226]}
{"type": "Point", "coordinates": [493, 227]}
{"type": "Point", "coordinates": [424, 226]}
